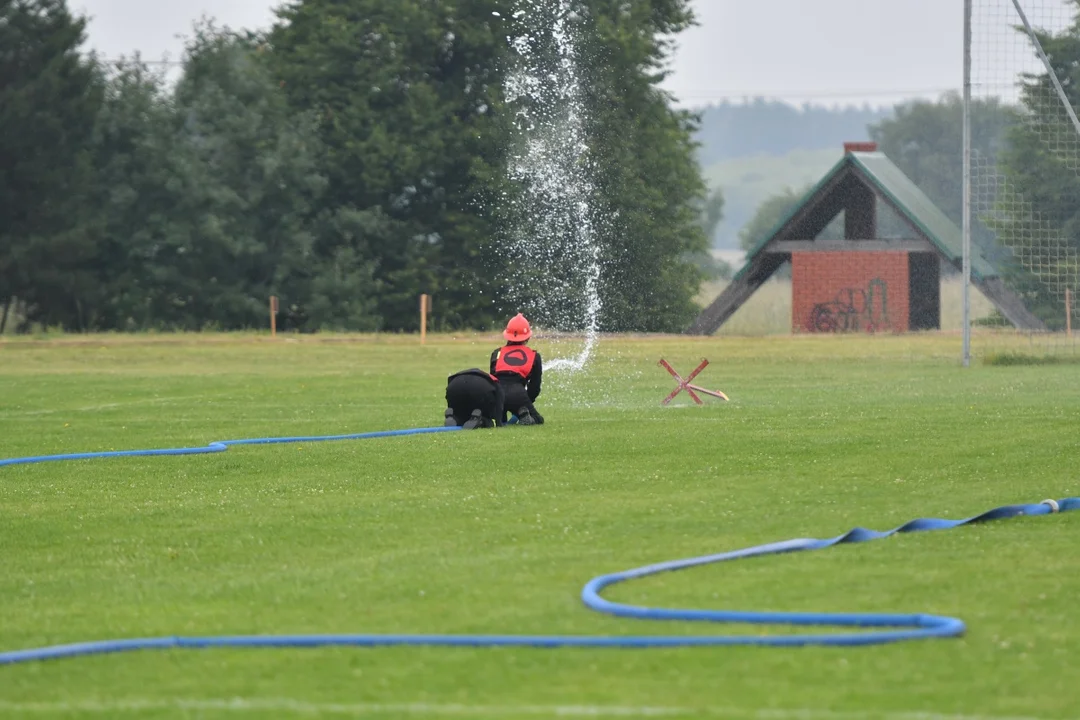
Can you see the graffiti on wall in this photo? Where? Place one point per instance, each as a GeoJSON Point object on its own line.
{"type": "Point", "coordinates": [853, 310]}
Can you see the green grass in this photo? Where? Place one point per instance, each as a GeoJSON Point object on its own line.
{"type": "Point", "coordinates": [1014, 358]}
{"type": "Point", "coordinates": [496, 532]}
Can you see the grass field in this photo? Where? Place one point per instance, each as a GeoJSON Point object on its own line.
{"type": "Point", "coordinates": [496, 532]}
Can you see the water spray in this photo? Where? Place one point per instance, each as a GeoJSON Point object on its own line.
{"type": "Point", "coordinates": [555, 228]}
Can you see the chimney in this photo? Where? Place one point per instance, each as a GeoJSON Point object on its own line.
{"type": "Point", "coordinates": [852, 147]}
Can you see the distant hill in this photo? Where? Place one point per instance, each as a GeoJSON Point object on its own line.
{"type": "Point", "coordinates": [748, 181]}
{"type": "Point", "coordinates": [755, 150]}
{"type": "Point", "coordinates": [769, 127]}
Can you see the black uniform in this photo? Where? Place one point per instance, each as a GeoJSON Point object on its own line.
{"type": "Point", "coordinates": [520, 372]}
{"type": "Point", "coordinates": [471, 390]}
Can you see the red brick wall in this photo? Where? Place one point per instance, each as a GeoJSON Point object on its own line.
{"type": "Point", "coordinates": [849, 291]}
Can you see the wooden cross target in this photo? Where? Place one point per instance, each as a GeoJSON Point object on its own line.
{"type": "Point", "coordinates": [687, 384]}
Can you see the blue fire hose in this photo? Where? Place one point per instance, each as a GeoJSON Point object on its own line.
{"type": "Point", "coordinates": [221, 446]}
{"type": "Point", "coordinates": [899, 626]}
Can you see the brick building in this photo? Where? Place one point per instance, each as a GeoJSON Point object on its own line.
{"type": "Point", "coordinates": [863, 282]}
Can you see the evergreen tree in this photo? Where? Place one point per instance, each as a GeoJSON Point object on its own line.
{"type": "Point", "coordinates": [253, 220]}
{"type": "Point", "coordinates": [49, 96]}
{"type": "Point", "coordinates": [648, 179]}
{"type": "Point", "coordinates": [405, 92]}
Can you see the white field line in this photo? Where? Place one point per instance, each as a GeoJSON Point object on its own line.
{"type": "Point", "coordinates": [299, 707]}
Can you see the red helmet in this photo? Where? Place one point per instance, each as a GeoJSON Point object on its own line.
{"type": "Point", "coordinates": [517, 330]}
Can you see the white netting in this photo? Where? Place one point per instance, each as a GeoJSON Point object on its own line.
{"type": "Point", "coordinates": [1025, 193]}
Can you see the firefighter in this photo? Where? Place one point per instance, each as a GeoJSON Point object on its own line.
{"type": "Point", "coordinates": [474, 400]}
{"type": "Point", "coordinates": [519, 371]}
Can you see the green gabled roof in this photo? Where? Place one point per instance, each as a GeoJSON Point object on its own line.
{"type": "Point", "coordinates": [920, 211]}
{"type": "Point", "coordinates": [908, 200]}
{"type": "Point", "coordinates": [768, 237]}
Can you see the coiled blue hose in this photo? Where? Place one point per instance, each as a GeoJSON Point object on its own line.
{"type": "Point", "coordinates": [903, 626]}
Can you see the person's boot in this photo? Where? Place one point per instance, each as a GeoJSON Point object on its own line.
{"type": "Point", "coordinates": [449, 420]}
{"type": "Point", "coordinates": [475, 421]}
{"type": "Point", "coordinates": [525, 417]}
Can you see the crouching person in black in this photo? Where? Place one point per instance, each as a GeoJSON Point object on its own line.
{"type": "Point", "coordinates": [519, 371]}
{"type": "Point", "coordinates": [474, 400]}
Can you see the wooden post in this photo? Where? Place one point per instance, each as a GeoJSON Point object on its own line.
{"type": "Point", "coordinates": [273, 315]}
{"type": "Point", "coordinates": [1068, 312]}
{"type": "Point", "coordinates": [425, 308]}
{"type": "Point", "coordinates": [4, 317]}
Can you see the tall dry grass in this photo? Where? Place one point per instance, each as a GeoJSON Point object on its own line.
{"type": "Point", "coordinates": [768, 311]}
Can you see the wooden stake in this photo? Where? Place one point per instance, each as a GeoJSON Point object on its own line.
{"type": "Point", "coordinates": [425, 307]}
{"type": "Point", "coordinates": [1068, 312]}
{"type": "Point", "coordinates": [4, 316]}
{"type": "Point", "coordinates": [273, 315]}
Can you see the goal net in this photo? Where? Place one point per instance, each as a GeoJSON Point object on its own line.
{"type": "Point", "coordinates": [1025, 170]}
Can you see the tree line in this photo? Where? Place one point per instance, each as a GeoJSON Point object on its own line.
{"type": "Point", "coordinates": [761, 126]}
{"type": "Point", "coordinates": [346, 161]}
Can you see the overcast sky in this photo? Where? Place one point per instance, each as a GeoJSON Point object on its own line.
{"type": "Point", "coordinates": [827, 51]}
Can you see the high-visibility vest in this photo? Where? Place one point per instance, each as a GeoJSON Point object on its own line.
{"type": "Point", "coordinates": [516, 359]}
